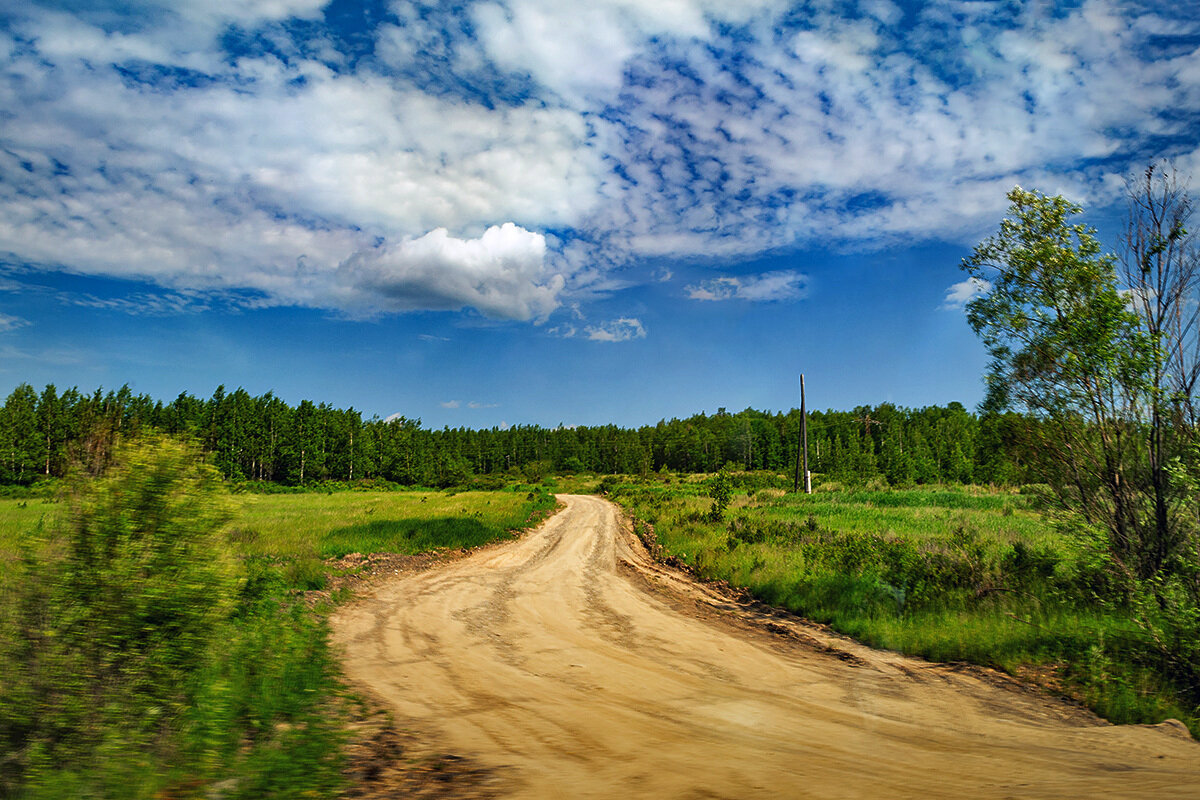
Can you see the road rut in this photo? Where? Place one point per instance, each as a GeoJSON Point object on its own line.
{"type": "Point", "coordinates": [571, 665]}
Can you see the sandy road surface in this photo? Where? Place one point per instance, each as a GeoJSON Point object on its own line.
{"type": "Point", "coordinates": [576, 667]}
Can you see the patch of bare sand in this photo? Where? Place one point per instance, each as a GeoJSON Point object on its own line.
{"type": "Point", "coordinates": [570, 664]}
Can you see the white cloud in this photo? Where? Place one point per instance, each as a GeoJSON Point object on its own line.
{"type": "Point", "coordinates": [617, 330]}
{"type": "Point", "coordinates": [563, 331]}
{"type": "Point", "coordinates": [9, 322]}
{"type": "Point", "coordinates": [963, 292]}
{"type": "Point", "coordinates": [770, 286]}
{"type": "Point", "coordinates": [581, 50]}
{"type": "Point", "coordinates": [477, 404]}
{"type": "Point", "coordinates": [449, 404]}
{"type": "Point", "coordinates": [631, 132]}
{"type": "Point", "coordinates": [502, 274]}
{"type": "Point", "coordinates": [873, 132]}
{"type": "Point", "coordinates": [263, 176]}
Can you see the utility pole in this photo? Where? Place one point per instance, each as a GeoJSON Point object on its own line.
{"type": "Point", "coordinates": [802, 446]}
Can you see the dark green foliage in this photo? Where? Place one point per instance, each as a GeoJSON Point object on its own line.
{"type": "Point", "coordinates": [139, 659]}
{"type": "Point", "coordinates": [267, 443]}
{"type": "Point", "coordinates": [406, 536]}
{"type": "Point", "coordinates": [720, 489]}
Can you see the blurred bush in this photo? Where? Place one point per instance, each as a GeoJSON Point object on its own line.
{"type": "Point", "coordinates": [137, 659]}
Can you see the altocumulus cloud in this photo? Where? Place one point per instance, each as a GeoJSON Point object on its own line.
{"type": "Point", "coordinates": [235, 146]}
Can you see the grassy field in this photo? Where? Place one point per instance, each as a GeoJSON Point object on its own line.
{"type": "Point", "coordinates": [948, 573]}
{"type": "Point", "coordinates": [20, 516]}
{"type": "Point", "coordinates": [300, 532]}
{"type": "Point", "coordinates": [293, 537]}
{"type": "Point", "coordinates": [315, 526]}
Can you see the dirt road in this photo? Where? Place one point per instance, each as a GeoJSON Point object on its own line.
{"type": "Point", "coordinates": [574, 666]}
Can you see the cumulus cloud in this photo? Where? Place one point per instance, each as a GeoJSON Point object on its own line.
{"type": "Point", "coordinates": [259, 174]}
{"type": "Point", "coordinates": [963, 292]}
{"type": "Point", "coordinates": [623, 329]}
{"type": "Point", "coordinates": [770, 286]}
{"type": "Point", "coordinates": [502, 274]}
{"type": "Point", "coordinates": [449, 404]}
{"type": "Point", "coordinates": [477, 404]}
{"type": "Point", "coordinates": [580, 51]}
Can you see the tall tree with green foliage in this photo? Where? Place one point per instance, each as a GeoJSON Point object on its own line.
{"type": "Point", "coordinates": [1068, 349]}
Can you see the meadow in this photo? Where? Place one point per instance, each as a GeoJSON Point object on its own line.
{"type": "Point", "coordinates": [301, 530]}
{"type": "Point", "coordinates": [949, 573]}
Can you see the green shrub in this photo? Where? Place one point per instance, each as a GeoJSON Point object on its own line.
{"type": "Point", "coordinates": [129, 639]}
{"type": "Point", "coordinates": [720, 489]}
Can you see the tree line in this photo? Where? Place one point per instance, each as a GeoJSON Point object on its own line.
{"type": "Point", "coordinates": [263, 438]}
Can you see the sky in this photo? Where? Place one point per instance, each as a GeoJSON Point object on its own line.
{"type": "Point", "coordinates": [503, 212]}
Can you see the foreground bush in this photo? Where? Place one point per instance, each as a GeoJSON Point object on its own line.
{"type": "Point", "coordinates": [138, 659]}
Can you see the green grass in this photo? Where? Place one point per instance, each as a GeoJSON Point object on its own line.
{"type": "Point", "coordinates": [20, 516]}
{"type": "Point", "coordinates": [311, 526]}
{"type": "Point", "coordinates": [947, 573]}
{"type": "Point", "coordinates": [332, 525]}
{"type": "Point", "coordinates": [300, 532]}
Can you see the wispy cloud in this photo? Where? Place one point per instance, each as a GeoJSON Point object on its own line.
{"type": "Point", "coordinates": [768, 287]}
{"type": "Point", "coordinates": [617, 330]}
{"type": "Point", "coordinates": [9, 322]}
{"type": "Point", "coordinates": [963, 292]}
{"type": "Point", "coordinates": [472, 404]}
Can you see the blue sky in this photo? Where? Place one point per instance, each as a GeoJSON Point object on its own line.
{"type": "Point", "coordinates": [540, 211]}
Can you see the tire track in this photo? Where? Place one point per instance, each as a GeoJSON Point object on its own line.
{"type": "Point", "coordinates": [574, 666]}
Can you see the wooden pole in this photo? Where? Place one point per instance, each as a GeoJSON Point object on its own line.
{"type": "Point", "coordinates": [804, 438]}
{"type": "Point", "coordinates": [800, 442]}
{"type": "Point", "coordinates": [799, 456]}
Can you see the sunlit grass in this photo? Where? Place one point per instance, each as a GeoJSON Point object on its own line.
{"type": "Point", "coordinates": [323, 525]}
{"type": "Point", "coordinates": [18, 517]}
{"type": "Point", "coordinates": [320, 525]}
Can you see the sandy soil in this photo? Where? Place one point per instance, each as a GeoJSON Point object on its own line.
{"type": "Point", "coordinates": [569, 664]}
